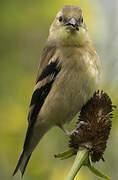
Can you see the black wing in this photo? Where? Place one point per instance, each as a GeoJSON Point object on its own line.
{"type": "Point", "coordinates": [40, 95]}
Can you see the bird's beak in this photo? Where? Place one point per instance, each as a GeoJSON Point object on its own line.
{"type": "Point", "coordinates": [72, 25]}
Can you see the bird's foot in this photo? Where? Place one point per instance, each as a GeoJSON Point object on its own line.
{"type": "Point", "coordinates": [75, 130]}
{"type": "Point", "coordinates": [78, 126]}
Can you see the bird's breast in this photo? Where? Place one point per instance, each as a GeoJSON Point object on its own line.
{"type": "Point", "coordinates": [73, 86]}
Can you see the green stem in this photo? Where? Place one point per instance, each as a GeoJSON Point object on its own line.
{"type": "Point", "coordinates": [81, 157]}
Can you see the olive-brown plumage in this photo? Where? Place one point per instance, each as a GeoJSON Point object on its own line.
{"type": "Point", "coordinates": [68, 76]}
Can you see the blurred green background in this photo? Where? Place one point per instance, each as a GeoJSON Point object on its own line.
{"type": "Point", "coordinates": [24, 28]}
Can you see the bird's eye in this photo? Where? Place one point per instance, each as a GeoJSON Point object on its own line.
{"type": "Point", "coordinates": [81, 20]}
{"type": "Point", "coordinates": [60, 19]}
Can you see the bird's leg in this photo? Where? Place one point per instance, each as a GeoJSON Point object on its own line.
{"type": "Point", "coordinates": [75, 130]}
{"type": "Point", "coordinates": [81, 123]}
{"type": "Point", "coordinates": [64, 130]}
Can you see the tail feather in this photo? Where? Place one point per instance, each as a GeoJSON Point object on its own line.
{"type": "Point", "coordinates": [22, 163]}
{"type": "Point", "coordinates": [23, 167]}
{"type": "Point", "coordinates": [29, 146]}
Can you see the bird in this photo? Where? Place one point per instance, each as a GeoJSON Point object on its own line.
{"type": "Point", "coordinates": [68, 75]}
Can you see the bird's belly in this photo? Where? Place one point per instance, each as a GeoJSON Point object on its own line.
{"type": "Point", "coordinates": [69, 93]}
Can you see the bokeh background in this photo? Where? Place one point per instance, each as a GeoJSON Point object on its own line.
{"type": "Point", "coordinates": [24, 28]}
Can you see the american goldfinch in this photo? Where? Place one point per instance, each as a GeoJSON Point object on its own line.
{"type": "Point", "coordinates": [68, 76]}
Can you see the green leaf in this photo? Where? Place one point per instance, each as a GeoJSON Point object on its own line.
{"type": "Point", "coordinates": [96, 171]}
{"type": "Point", "coordinates": [66, 154]}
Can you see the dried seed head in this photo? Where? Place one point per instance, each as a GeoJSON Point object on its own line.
{"type": "Point", "coordinates": [93, 128]}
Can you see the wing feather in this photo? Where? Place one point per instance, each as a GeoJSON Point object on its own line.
{"type": "Point", "coordinates": [47, 55]}
{"type": "Point", "coordinates": [47, 72]}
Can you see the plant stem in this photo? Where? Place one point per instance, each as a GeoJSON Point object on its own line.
{"type": "Point", "coordinates": [81, 157]}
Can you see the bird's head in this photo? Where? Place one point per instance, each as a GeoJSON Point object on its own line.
{"type": "Point", "coordinates": [69, 28]}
